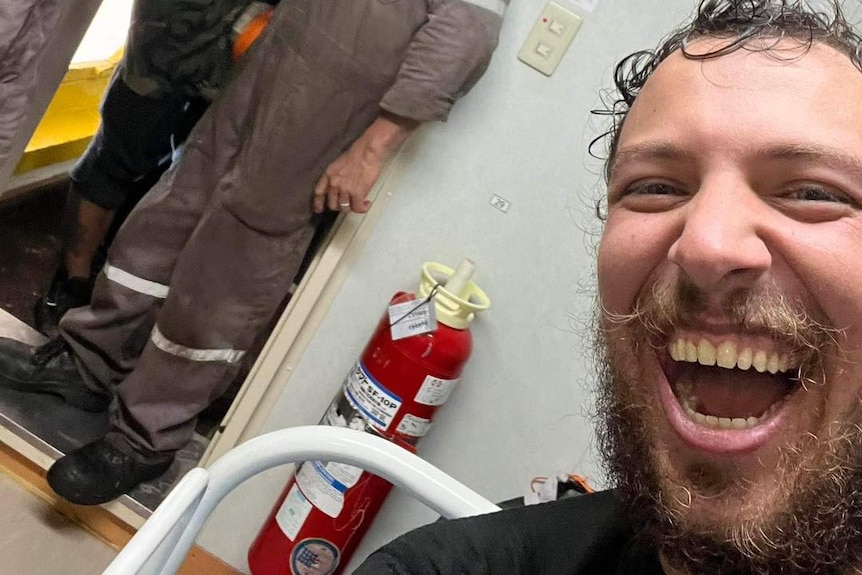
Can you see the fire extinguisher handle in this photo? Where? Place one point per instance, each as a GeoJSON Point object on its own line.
{"type": "Point", "coordinates": [403, 469]}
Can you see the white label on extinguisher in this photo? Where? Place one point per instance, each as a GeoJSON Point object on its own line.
{"type": "Point", "coordinates": [293, 512]}
{"type": "Point", "coordinates": [322, 488]}
{"type": "Point", "coordinates": [412, 318]}
{"type": "Point", "coordinates": [414, 426]}
{"type": "Point", "coordinates": [376, 403]}
{"type": "Point", "coordinates": [435, 391]}
{"type": "Point", "coordinates": [346, 475]}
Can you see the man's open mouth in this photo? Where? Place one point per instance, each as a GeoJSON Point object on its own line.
{"type": "Point", "coordinates": [734, 384]}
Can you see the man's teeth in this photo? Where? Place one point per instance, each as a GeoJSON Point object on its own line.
{"type": "Point", "coordinates": [728, 355]}
{"type": "Point", "coordinates": [726, 422]}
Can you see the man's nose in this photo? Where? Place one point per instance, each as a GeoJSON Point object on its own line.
{"type": "Point", "coordinates": [720, 246]}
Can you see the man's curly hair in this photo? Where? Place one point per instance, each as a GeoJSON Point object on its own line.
{"type": "Point", "coordinates": [805, 22]}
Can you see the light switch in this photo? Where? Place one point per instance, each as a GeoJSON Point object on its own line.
{"type": "Point", "coordinates": [543, 50]}
{"type": "Point", "coordinates": [556, 27]}
{"type": "Point", "coordinates": [550, 37]}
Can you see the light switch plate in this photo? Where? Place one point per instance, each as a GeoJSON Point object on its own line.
{"type": "Point", "coordinates": [550, 38]}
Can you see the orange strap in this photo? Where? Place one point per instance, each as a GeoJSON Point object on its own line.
{"type": "Point", "coordinates": [250, 34]}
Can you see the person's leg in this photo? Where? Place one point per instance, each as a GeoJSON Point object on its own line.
{"type": "Point", "coordinates": [84, 224]}
{"type": "Point", "coordinates": [81, 239]}
{"type": "Point", "coordinates": [133, 140]}
{"type": "Point", "coordinates": [223, 290]}
{"type": "Point", "coordinates": [193, 353]}
{"type": "Point", "coordinates": [103, 340]}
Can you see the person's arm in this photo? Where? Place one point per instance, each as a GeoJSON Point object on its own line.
{"type": "Point", "coordinates": [585, 534]}
{"type": "Point", "coordinates": [446, 57]}
{"type": "Point", "coordinates": [346, 182]}
{"type": "Point", "coordinates": [381, 563]}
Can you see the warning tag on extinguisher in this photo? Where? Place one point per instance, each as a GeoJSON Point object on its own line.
{"type": "Point", "coordinates": [414, 426]}
{"type": "Point", "coordinates": [435, 390]}
{"type": "Point", "coordinates": [412, 318]}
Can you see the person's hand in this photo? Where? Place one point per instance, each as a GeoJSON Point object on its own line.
{"type": "Point", "coordinates": [346, 182]}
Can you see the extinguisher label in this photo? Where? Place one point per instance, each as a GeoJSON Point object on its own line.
{"type": "Point", "coordinates": [340, 474]}
{"type": "Point", "coordinates": [410, 318]}
{"type": "Point", "coordinates": [435, 391]}
{"type": "Point", "coordinates": [324, 484]}
{"type": "Point", "coordinates": [376, 403]}
{"type": "Point", "coordinates": [414, 426]}
{"type": "Point", "coordinates": [314, 557]}
{"type": "Point", "coordinates": [293, 512]}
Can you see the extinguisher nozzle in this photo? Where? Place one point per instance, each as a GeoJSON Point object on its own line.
{"type": "Point", "coordinates": [459, 283]}
{"type": "Point", "coordinates": [458, 299]}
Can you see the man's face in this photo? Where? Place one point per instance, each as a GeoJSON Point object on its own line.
{"type": "Point", "coordinates": [734, 234]}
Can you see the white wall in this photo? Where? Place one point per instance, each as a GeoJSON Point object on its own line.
{"type": "Point", "coordinates": [520, 408]}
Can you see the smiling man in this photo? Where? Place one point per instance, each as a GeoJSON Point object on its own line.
{"type": "Point", "coordinates": [730, 332]}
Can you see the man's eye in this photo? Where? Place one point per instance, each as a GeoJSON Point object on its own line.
{"type": "Point", "coordinates": [819, 194]}
{"type": "Point", "coordinates": [653, 189]}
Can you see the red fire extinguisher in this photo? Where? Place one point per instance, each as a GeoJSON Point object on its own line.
{"type": "Point", "coordinates": [406, 372]}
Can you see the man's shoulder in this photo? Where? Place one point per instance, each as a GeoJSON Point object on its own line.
{"type": "Point", "coordinates": [582, 534]}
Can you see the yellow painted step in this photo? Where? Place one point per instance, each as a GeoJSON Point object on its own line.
{"type": "Point", "coordinates": [72, 117]}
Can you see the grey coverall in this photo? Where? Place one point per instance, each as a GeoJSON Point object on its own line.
{"type": "Point", "coordinates": [207, 255]}
{"type": "Point", "coordinates": [25, 28]}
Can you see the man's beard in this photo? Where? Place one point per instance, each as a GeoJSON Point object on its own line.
{"type": "Point", "coordinates": [818, 530]}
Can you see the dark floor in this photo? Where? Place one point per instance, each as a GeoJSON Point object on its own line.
{"type": "Point", "coordinates": [29, 248]}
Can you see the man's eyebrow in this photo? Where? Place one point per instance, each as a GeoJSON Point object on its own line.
{"type": "Point", "coordinates": [649, 151]}
{"type": "Point", "coordinates": [813, 154]}
{"type": "Point", "coordinates": [792, 152]}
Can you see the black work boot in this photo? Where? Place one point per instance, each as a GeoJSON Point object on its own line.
{"type": "Point", "coordinates": [99, 472]}
{"type": "Point", "coordinates": [50, 369]}
{"type": "Point", "coordinates": [64, 294]}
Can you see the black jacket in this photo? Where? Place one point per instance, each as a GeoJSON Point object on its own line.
{"type": "Point", "coordinates": [588, 534]}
